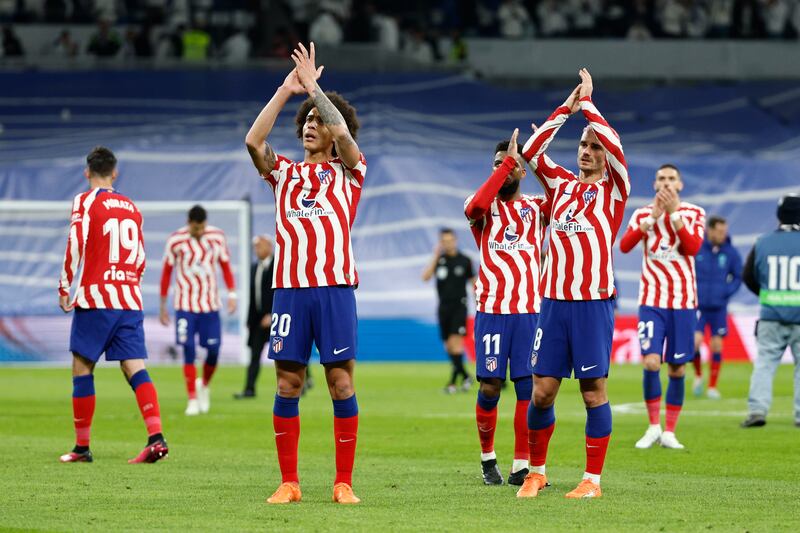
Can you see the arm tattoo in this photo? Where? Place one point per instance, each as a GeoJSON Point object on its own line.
{"type": "Point", "coordinates": [330, 115]}
{"type": "Point", "coordinates": [269, 156]}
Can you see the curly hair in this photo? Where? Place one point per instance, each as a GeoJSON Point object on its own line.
{"type": "Point", "coordinates": [344, 107]}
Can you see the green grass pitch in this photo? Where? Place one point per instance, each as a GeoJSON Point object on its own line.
{"type": "Point", "coordinates": [417, 466]}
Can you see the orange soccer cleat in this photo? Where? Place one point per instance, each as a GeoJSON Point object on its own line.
{"type": "Point", "coordinates": [532, 485]}
{"type": "Point", "coordinates": [343, 493]}
{"type": "Point", "coordinates": [287, 492]}
{"type": "Point", "coordinates": [586, 489]}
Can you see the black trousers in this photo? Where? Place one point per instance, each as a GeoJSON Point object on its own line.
{"type": "Point", "coordinates": [257, 340]}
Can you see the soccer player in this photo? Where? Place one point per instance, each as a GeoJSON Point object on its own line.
{"type": "Point", "coordinates": [508, 227]}
{"type": "Point", "coordinates": [194, 251]}
{"type": "Point", "coordinates": [315, 273]}
{"type": "Point", "coordinates": [453, 271]}
{"type": "Point", "coordinates": [719, 276]}
{"type": "Point", "coordinates": [671, 233]}
{"type": "Point", "coordinates": [105, 235]}
{"type": "Point", "coordinates": [576, 319]}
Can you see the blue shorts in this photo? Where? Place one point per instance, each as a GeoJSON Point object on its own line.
{"type": "Point", "coordinates": [324, 315]}
{"type": "Point", "coordinates": [675, 326]}
{"type": "Point", "coordinates": [206, 325]}
{"type": "Point", "coordinates": [716, 319]}
{"type": "Point", "coordinates": [500, 339]}
{"type": "Point", "coordinates": [119, 333]}
{"type": "Point", "coordinates": [573, 337]}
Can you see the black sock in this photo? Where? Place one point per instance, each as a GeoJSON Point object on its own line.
{"type": "Point", "coordinates": [80, 449]}
{"type": "Point", "coordinates": [458, 369]}
{"type": "Point", "coordinates": [458, 361]}
{"type": "Point", "coordinates": [152, 439]}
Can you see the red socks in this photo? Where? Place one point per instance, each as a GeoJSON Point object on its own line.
{"type": "Point", "coordinates": [673, 411]}
{"type": "Point", "coordinates": [654, 410]}
{"type": "Point", "coordinates": [345, 432]}
{"type": "Point", "coordinates": [712, 381]}
{"type": "Point", "coordinates": [83, 411]}
{"type": "Point", "coordinates": [538, 441]}
{"type": "Point", "coordinates": [190, 375]}
{"type": "Point", "coordinates": [287, 437]}
{"type": "Point", "coordinates": [208, 371]}
{"type": "Point", "coordinates": [147, 398]}
{"type": "Point", "coordinates": [487, 422]}
{"type": "Point", "coordinates": [596, 454]}
{"type": "Point", "coordinates": [698, 365]}
{"type": "Point", "coordinates": [521, 450]}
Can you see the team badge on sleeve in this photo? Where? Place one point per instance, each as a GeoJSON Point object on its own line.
{"type": "Point", "coordinates": [277, 344]}
{"type": "Point", "coordinates": [491, 364]}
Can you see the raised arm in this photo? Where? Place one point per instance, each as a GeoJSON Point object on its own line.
{"type": "Point", "coordinates": [427, 274]}
{"type": "Point", "coordinates": [547, 172]}
{"type": "Point", "coordinates": [691, 239]}
{"type": "Point", "coordinates": [260, 151]}
{"type": "Point", "coordinates": [615, 158]}
{"type": "Point", "coordinates": [482, 199]}
{"type": "Point", "coordinates": [308, 73]}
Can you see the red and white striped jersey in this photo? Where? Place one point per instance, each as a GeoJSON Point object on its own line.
{"type": "Point", "coordinates": [195, 262]}
{"type": "Point", "coordinates": [584, 217]}
{"type": "Point", "coordinates": [106, 236]}
{"type": "Point", "coordinates": [315, 208]}
{"type": "Point", "coordinates": [668, 273]}
{"type": "Point", "coordinates": [509, 239]}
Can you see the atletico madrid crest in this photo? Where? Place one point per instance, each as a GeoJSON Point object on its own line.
{"type": "Point", "coordinates": [277, 344]}
{"type": "Point", "coordinates": [588, 196]}
{"type": "Point", "coordinates": [324, 176]}
{"type": "Point", "coordinates": [491, 364]}
{"type": "Point", "coordinates": [526, 214]}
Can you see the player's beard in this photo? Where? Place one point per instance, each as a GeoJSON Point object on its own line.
{"type": "Point", "coordinates": [509, 189]}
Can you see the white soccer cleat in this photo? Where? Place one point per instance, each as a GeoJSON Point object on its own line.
{"type": "Point", "coordinates": [668, 440]}
{"type": "Point", "coordinates": [713, 394]}
{"type": "Point", "coordinates": [203, 396]}
{"type": "Point", "coordinates": [651, 436]}
{"type": "Point", "coordinates": [697, 386]}
{"type": "Point", "coordinates": [192, 408]}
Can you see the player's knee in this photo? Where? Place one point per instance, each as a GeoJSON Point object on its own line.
{"type": "Point", "coordinates": [593, 398]}
{"type": "Point", "coordinates": [290, 384]}
{"type": "Point", "coordinates": [341, 389]}
{"type": "Point", "coordinates": [716, 344]}
{"type": "Point", "coordinates": [677, 371]}
{"type": "Point", "coordinates": [543, 398]}
{"type": "Point", "coordinates": [491, 387]}
{"type": "Point", "coordinates": [651, 362]}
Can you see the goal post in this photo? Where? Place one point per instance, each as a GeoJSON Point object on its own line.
{"type": "Point", "coordinates": [33, 237]}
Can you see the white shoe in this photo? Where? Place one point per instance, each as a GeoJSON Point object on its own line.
{"type": "Point", "coordinates": [203, 396]}
{"type": "Point", "coordinates": [193, 408]}
{"type": "Point", "coordinates": [697, 386]}
{"type": "Point", "coordinates": [651, 436]}
{"type": "Point", "coordinates": [668, 440]}
{"type": "Point", "coordinates": [713, 394]}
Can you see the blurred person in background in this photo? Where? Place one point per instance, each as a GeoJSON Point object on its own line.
{"type": "Point", "coordinates": [772, 272]}
{"type": "Point", "coordinates": [105, 42]}
{"type": "Point", "coordinates": [64, 45]}
{"type": "Point", "coordinates": [236, 47]}
{"type": "Point", "coordinates": [719, 276]}
{"type": "Point", "coordinates": [259, 314]}
{"type": "Point", "coordinates": [453, 270]}
{"type": "Point", "coordinates": [12, 46]}
{"type": "Point", "coordinates": [515, 22]}
{"type": "Point", "coordinates": [194, 251]}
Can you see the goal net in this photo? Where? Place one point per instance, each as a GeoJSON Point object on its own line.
{"type": "Point", "coordinates": [33, 238]}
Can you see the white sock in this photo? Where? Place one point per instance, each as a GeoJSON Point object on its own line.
{"type": "Point", "coordinates": [488, 456]}
{"type": "Point", "coordinates": [656, 426]}
{"type": "Point", "coordinates": [594, 478]}
{"type": "Point", "coordinates": [537, 470]}
{"type": "Point", "coordinates": [518, 464]}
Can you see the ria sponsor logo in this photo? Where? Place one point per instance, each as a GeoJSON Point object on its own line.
{"type": "Point", "coordinates": [113, 274]}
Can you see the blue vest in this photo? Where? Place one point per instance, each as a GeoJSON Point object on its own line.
{"type": "Point", "coordinates": [777, 268]}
